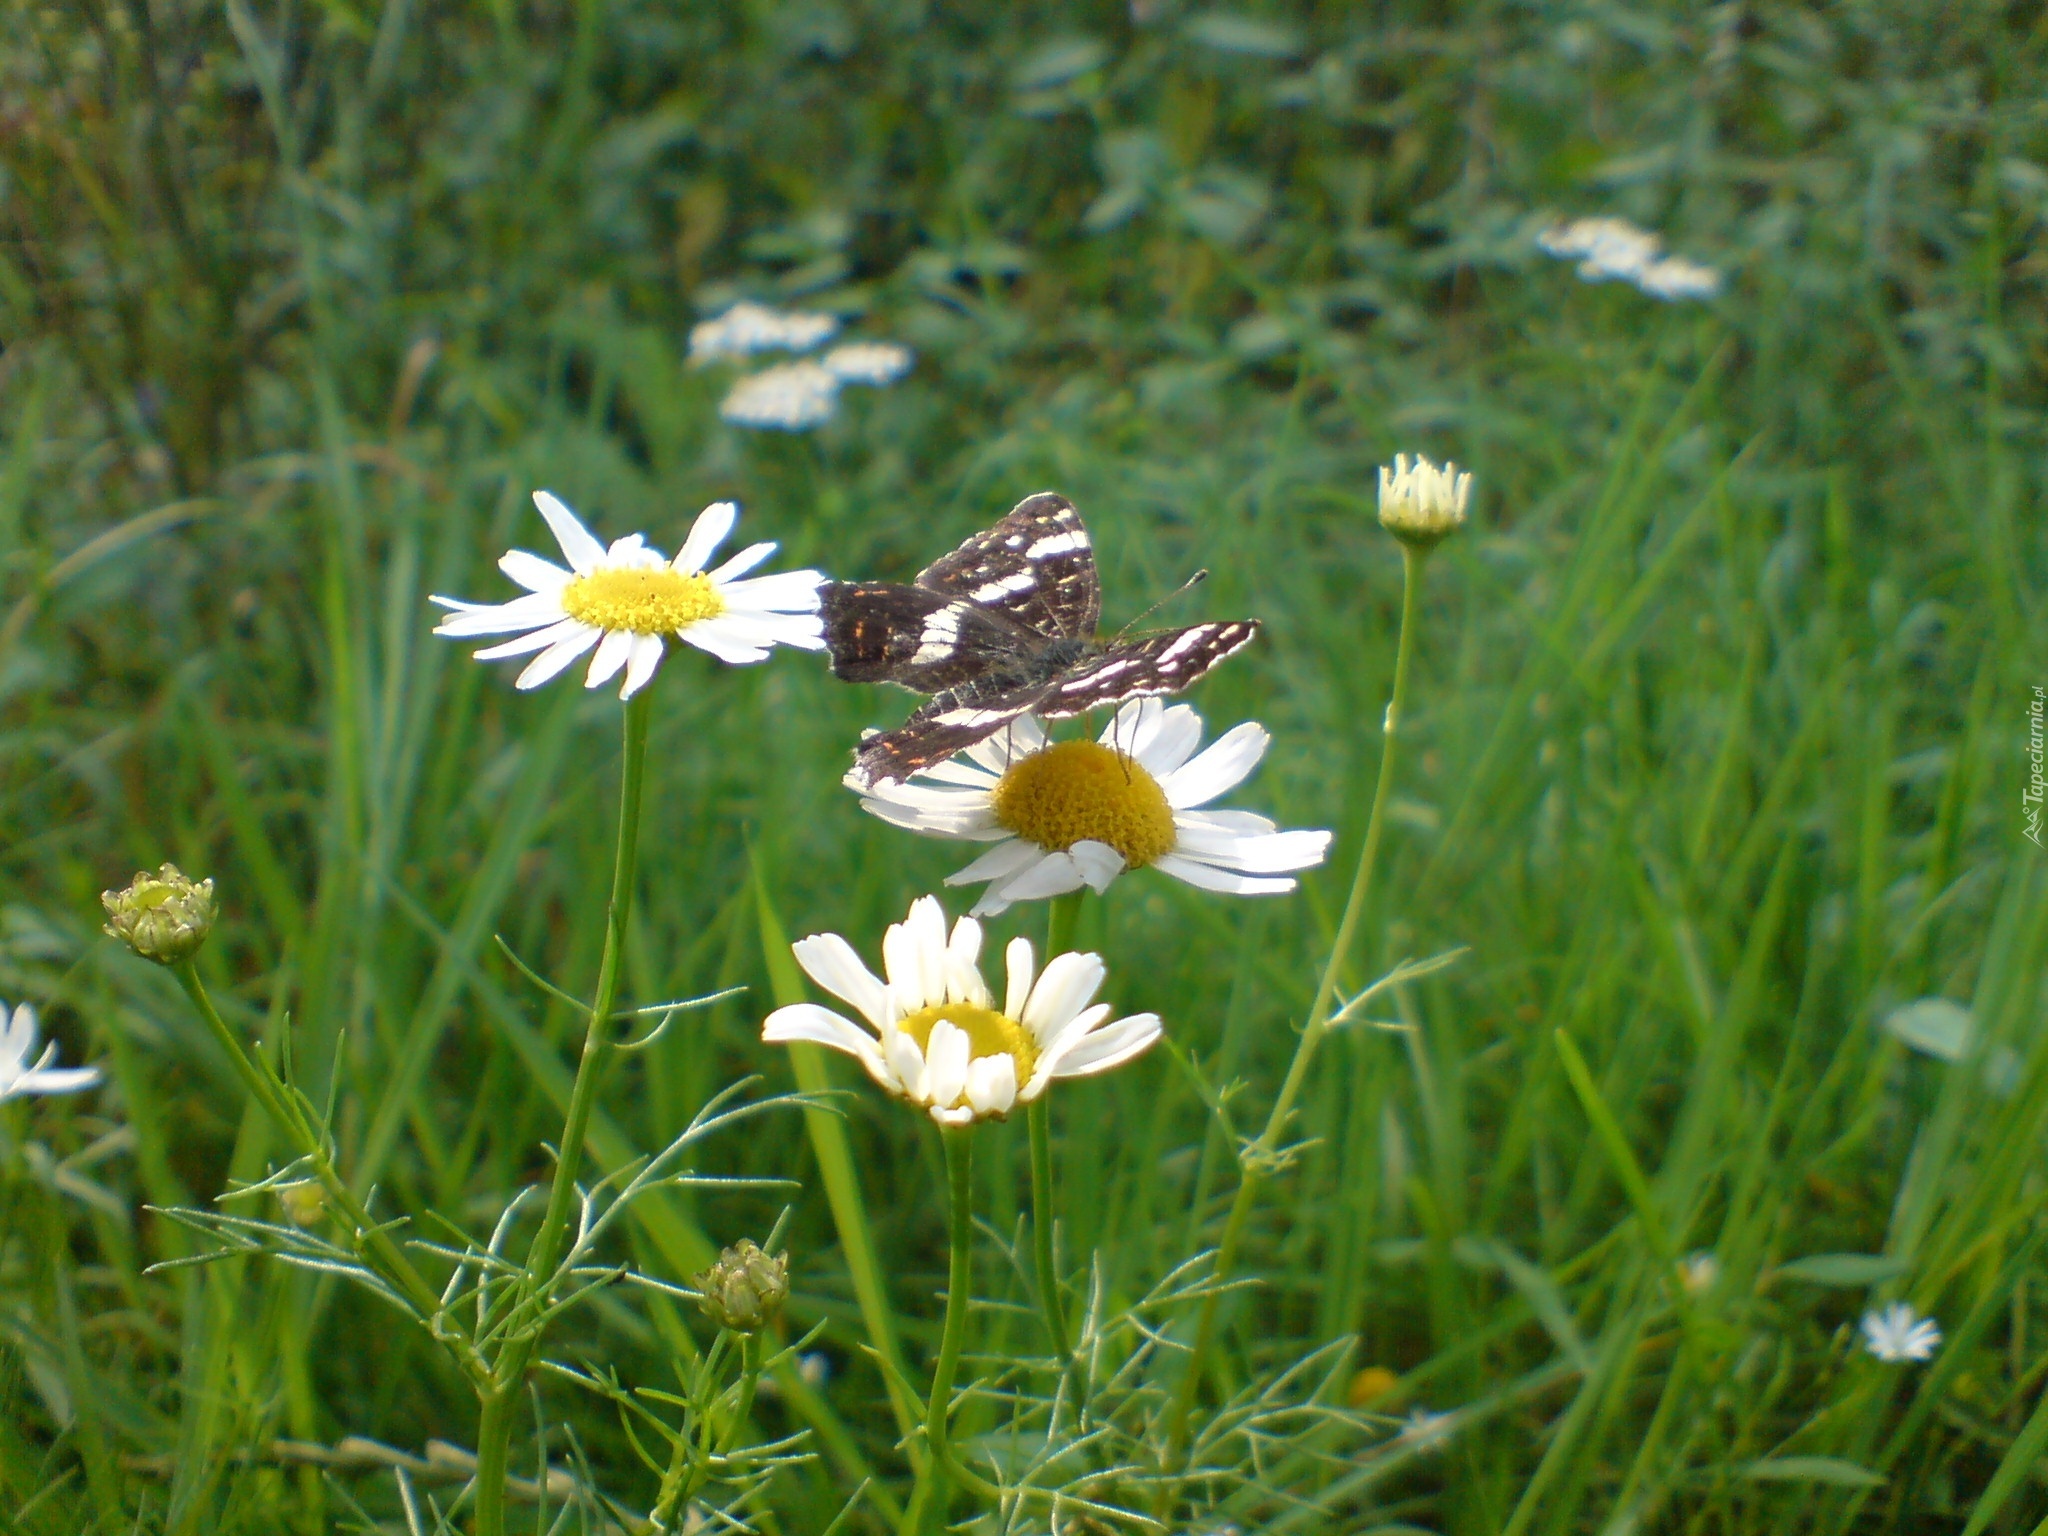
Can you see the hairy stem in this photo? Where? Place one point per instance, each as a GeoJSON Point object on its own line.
{"type": "Point", "coordinates": [927, 1512]}
{"type": "Point", "coordinates": [1059, 933]}
{"type": "Point", "coordinates": [1256, 1160]}
{"type": "Point", "coordinates": [494, 1424]}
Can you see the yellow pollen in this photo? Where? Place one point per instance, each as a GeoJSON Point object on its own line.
{"type": "Point", "coordinates": [988, 1034]}
{"type": "Point", "coordinates": [1081, 791]}
{"type": "Point", "coordinates": [650, 600]}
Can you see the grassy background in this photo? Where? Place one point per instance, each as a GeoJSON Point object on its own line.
{"type": "Point", "coordinates": [1722, 700]}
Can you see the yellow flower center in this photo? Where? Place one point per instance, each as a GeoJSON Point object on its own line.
{"type": "Point", "coordinates": [988, 1034]}
{"type": "Point", "coordinates": [651, 600]}
{"type": "Point", "coordinates": [1081, 791]}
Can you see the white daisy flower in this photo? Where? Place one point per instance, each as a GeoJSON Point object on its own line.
{"type": "Point", "coordinates": [1699, 1272]}
{"type": "Point", "coordinates": [17, 1043]}
{"type": "Point", "coordinates": [1073, 813]}
{"type": "Point", "coordinates": [626, 601]}
{"type": "Point", "coordinates": [937, 1038]}
{"type": "Point", "coordinates": [1899, 1333]}
{"type": "Point", "coordinates": [867, 362]}
{"type": "Point", "coordinates": [1614, 249]}
{"type": "Point", "coordinates": [1420, 503]}
{"type": "Point", "coordinates": [748, 328]}
{"type": "Point", "coordinates": [789, 397]}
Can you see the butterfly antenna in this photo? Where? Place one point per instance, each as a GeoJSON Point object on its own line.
{"type": "Point", "coordinates": [1187, 586]}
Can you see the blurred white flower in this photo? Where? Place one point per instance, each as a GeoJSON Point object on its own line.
{"type": "Point", "coordinates": [748, 328]}
{"type": "Point", "coordinates": [1424, 1430]}
{"type": "Point", "coordinates": [789, 396]}
{"type": "Point", "coordinates": [1616, 249]}
{"type": "Point", "coordinates": [1073, 813]}
{"type": "Point", "coordinates": [1899, 1333]}
{"type": "Point", "coordinates": [937, 1038]}
{"type": "Point", "coordinates": [867, 362]}
{"type": "Point", "coordinates": [625, 601]}
{"type": "Point", "coordinates": [1697, 1272]}
{"type": "Point", "coordinates": [17, 1043]}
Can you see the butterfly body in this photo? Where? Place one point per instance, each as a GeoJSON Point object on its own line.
{"type": "Point", "coordinates": [1001, 627]}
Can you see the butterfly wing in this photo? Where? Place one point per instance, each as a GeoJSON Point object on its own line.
{"type": "Point", "coordinates": [1036, 567]}
{"type": "Point", "coordinates": [936, 729]}
{"type": "Point", "coordinates": [1152, 664]}
{"type": "Point", "coordinates": [914, 637]}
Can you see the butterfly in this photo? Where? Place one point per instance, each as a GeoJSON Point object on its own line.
{"type": "Point", "coordinates": [1001, 627]}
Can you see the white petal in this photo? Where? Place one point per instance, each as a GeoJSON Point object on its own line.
{"type": "Point", "coordinates": [906, 1063]}
{"type": "Point", "coordinates": [1053, 1049]}
{"type": "Point", "coordinates": [612, 654]}
{"type": "Point", "coordinates": [999, 863]}
{"type": "Point", "coordinates": [560, 655]}
{"type": "Point", "coordinates": [945, 1063]}
{"type": "Point", "coordinates": [1173, 741]}
{"type": "Point", "coordinates": [641, 664]}
{"type": "Point", "coordinates": [1209, 878]}
{"type": "Point", "coordinates": [72, 1079]}
{"type": "Point", "coordinates": [1064, 989]}
{"type": "Point", "coordinates": [706, 534]}
{"type": "Point", "coordinates": [973, 824]}
{"type": "Point", "coordinates": [1110, 1047]}
{"type": "Point", "coordinates": [17, 1033]}
{"type": "Point", "coordinates": [532, 640]}
{"type": "Point", "coordinates": [807, 1021]}
{"type": "Point", "coordinates": [784, 592]}
{"type": "Point", "coordinates": [743, 562]}
{"type": "Point", "coordinates": [914, 956]}
{"type": "Point", "coordinates": [1020, 738]}
{"type": "Point", "coordinates": [578, 542]}
{"type": "Point", "coordinates": [532, 572]}
{"type": "Point", "coordinates": [706, 638]}
{"type": "Point", "coordinates": [1098, 863]}
{"type": "Point", "coordinates": [832, 963]}
{"type": "Point", "coordinates": [963, 965]}
{"type": "Point", "coordinates": [1054, 875]}
{"type": "Point", "coordinates": [1235, 823]}
{"type": "Point", "coordinates": [963, 1115]}
{"type": "Point", "coordinates": [528, 612]}
{"type": "Point", "coordinates": [1220, 769]}
{"type": "Point", "coordinates": [763, 629]}
{"type": "Point", "coordinates": [964, 774]}
{"type": "Point", "coordinates": [1022, 965]}
{"type": "Point", "coordinates": [1263, 853]}
{"type": "Point", "coordinates": [992, 1083]}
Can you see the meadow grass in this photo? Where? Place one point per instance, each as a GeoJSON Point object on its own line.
{"type": "Point", "coordinates": [1715, 764]}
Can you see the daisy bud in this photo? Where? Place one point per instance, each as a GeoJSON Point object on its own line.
{"type": "Point", "coordinates": [163, 917]}
{"type": "Point", "coordinates": [746, 1287]}
{"type": "Point", "coordinates": [1421, 504]}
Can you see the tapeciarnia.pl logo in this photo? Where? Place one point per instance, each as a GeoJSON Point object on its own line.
{"type": "Point", "coordinates": [2031, 796]}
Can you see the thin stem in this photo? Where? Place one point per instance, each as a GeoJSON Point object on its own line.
{"type": "Point", "coordinates": [927, 1510]}
{"type": "Point", "coordinates": [374, 1244]}
{"type": "Point", "coordinates": [1262, 1156]}
{"type": "Point", "coordinates": [1059, 933]}
{"type": "Point", "coordinates": [494, 1428]}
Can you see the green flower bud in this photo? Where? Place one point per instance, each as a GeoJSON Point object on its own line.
{"type": "Point", "coordinates": [1420, 504]}
{"type": "Point", "coordinates": [746, 1287]}
{"type": "Point", "coordinates": [162, 917]}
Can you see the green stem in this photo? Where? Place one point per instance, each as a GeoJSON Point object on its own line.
{"type": "Point", "coordinates": [927, 1510]}
{"type": "Point", "coordinates": [1261, 1157]}
{"type": "Point", "coordinates": [374, 1244]}
{"type": "Point", "coordinates": [1059, 933]}
{"type": "Point", "coordinates": [494, 1424]}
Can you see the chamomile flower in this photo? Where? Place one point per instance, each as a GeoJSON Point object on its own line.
{"type": "Point", "coordinates": [1899, 1333]}
{"type": "Point", "coordinates": [1063, 815]}
{"type": "Point", "coordinates": [1421, 504]}
{"type": "Point", "coordinates": [626, 602]}
{"type": "Point", "coordinates": [17, 1044]}
{"type": "Point", "coordinates": [935, 1036]}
